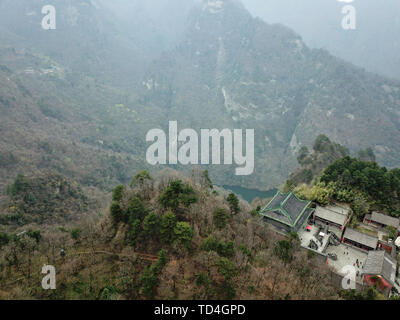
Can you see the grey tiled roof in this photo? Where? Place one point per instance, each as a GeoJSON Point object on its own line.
{"type": "Point", "coordinates": [276, 201]}
{"type": "Point", "coordinates": [303, 219]}
{"type": "Point", "coordinates": [328, 214]}
{"type": "Point", "coordinates": [287, 208]}
{"type": "Point", "coordinates": [361, 238]}
{"type": "Point", "coordinates": [385, 219]}
{"type": "Point", "coordinates": [277, 215]}
{"type": "Point", "coordinates": [381, 263]}
{"type": "Point", "coordinates": [294, 206]}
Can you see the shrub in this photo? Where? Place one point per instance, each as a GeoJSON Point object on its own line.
{"type": "Point", "coordinates": [167, 226]}
{"type": "Point", "coordinates": [226, 249]}
{"type": "Point", "coordinates": [76, 233]}
{"type": "Point", "coordinates": [360, 205]}
{"type": "Point", "coordinates": [4, 239]}
{"type": "Point", "coordinates": [392, 232]}
{"type": "Point", "coordinates": [220, 218]}
{"type": "Point", "coordinates": [116, 212]}
{"type": "Point", "coordinates": [134, 231]}
{"type": "Point", "coordinates": [201, 279]}
{"type": "Point", "coordinates": [246, 251]}
{"type": "Point", "coordinates": [183, 234]}
{"type": "Point", "coordinates": [233, 203]}
{"type": "Point", "coordinates": [284, 250]}
{"type": "Point", "coordinates": [206, 180]}
{"type": "Point", "coordinates": [226, 268]}
{"type": "Point", "coordinates": [108, 293]}
{"type": "Point", "coordinates": [118, 193]}
{"type": "Point", "coordinates": [34, 235]}
{"type": "Point", "coordinates": [254, 212]}
{"type": "Point", "coordinates": [141, 178]}
{"type": "Point", "coordinates": [30, 199]}
{"type": "Point", "coordinates": [149, 277]}
{"type": "Point", "coordinates": [303, 153]}
{"type": "Point", "coordinates": [161, 262]}
{"type": "Point", "coordinates": [230, 291]}
{"type": "Point", "coordinates": [177, 194]}
{"type": "Point", "coordinates": [149, 282]}
{"type": "Point", "coordinates": [21, 184]}
{"type": "Point", "coordinates": [209, 244]}
{"type": "Point", "coordinates": [151, 225]}
{"type": "Point", "coordinates": [321, 143]}
{"type": "Point", "coordinates": [136, 209]}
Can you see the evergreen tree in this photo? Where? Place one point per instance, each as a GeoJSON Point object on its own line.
{"type": "Point", "coordinates": [220, 218]}
{"type": "Point", "coordinates": [151, 225]}
{"type": "Point", "coordinates": [233, 203]}
{"type": "Point", "coordinates": [167, 226]}
{"type": "Point", "coordinates": [118, 193]}
{"type": "Point", "coordinates": [183, 234]}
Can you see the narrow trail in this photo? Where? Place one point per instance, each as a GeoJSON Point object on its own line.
{"type": "Point", "coordinates": [144, 256]}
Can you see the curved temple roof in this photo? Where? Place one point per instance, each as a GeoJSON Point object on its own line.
{"type": "Point", "coordinates": [288, 209]}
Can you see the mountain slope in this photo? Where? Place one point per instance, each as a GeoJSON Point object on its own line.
{"type": "Point", "coordinates": [373, 45]}
{"type": "Point", "coordinates": [112, 42]}
{"type": "Point", "coordinates": [199, 250]}
{"type": "Point", "coordinates": [230, 71]}
{"type": "Point", "coordinates": [235, 71]}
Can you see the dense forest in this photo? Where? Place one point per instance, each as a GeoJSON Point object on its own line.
{"type": "Point", "coordinates": [377, 184]}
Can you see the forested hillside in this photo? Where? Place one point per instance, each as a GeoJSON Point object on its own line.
{"type": "Point", "coordinates": [167, 237]}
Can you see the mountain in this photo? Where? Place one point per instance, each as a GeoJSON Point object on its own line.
{"type": "Point", "coordinates": [77, 102]}
{"type": "Point", "coordinates": [236, 71]}
{"type": "Point", "coordinates": [373, 45]}
{"type": "Point", "coordinates": [66, 94]}
{"type": "Point", "coordinates": [80, 99]}
{"type": "Point", "coordinates": [112, 42]}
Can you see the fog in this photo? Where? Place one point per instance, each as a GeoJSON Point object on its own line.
{"type": "Point", "coordinates": [374, 45]}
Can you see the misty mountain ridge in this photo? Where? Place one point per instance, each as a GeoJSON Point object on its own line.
{"type": "Point", "coordinates": [233, 70]}
{"type": "Point", "coordinates": [216, 66]}
{"type": "Point", "coordinates": [374, 44]}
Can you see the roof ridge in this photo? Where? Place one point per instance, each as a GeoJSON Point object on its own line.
{"type": "Point", "coordinates": [283, 209]}
{"type": "Point", "coordinates": [326, 208]}
{"type": "Point", "coordinates": [383, 260]}
{"type": "Point", "coordinates": [286, 199]}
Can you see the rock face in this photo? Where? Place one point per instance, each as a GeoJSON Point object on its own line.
{"type": "Point", "coordinates": [235, 71]}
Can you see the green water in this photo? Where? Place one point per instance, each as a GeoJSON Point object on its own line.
{"type": "Point", "coordinates": [250, 194]}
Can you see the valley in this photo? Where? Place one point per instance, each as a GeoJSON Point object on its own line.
{"type": "Point", "coordinates": [97, 180]}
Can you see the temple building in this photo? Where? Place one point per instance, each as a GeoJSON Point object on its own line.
{"type": "Point", "coordinates": [334, 217]}
{"type": "Point", "coordinates": [382, 220]}
{"type": "Point", "coordinates": [287, 213]}
{"type": "Point", "coordinates": [360, 240]}
{"type": "Point", "coordinates": [380, 270]}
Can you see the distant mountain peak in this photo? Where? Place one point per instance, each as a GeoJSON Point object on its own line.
{"type": "Point", "coordinates": [213, 6]}
{"type": "Point", "coordinates": [217, 6]}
